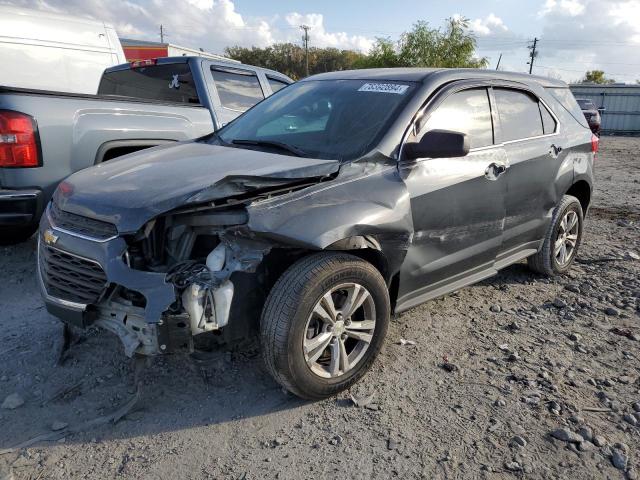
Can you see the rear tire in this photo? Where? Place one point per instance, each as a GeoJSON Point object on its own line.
{"type": "Point", "coordinates": [315, 335]}
{"type": "Point", "coordinates": [562, 240]}
{"type": "Point", "coordinates": [15, 235]}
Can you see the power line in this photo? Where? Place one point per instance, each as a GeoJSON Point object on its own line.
{"type": "Point", "coordinates": [533, 54]}
{"type": "Point", "coordinates": [305, 39]}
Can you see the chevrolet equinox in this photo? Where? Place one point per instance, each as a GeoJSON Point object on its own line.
{"type": "Point", "coordinates": [311, 218]}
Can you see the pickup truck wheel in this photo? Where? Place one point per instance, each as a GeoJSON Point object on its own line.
{"type": "Point", "coordinates": [14, 235]}
{"type": "Point", "coordinates": [323, 324]}
{"type": "Point", "coordinates": [562, 239]}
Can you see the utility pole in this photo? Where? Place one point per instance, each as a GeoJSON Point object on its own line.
{"type": "Point", "coordinates": [161, 34]}
{"type": "Point", "coordinates": [305, 39]}
{"type": "Point", "coordinates": [533, 54]}
{"type": "Point", "coordinates": [498, 65]}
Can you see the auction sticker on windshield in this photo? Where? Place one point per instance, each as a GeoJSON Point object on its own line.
{"type": "Point", "coordinates": [384, 88]}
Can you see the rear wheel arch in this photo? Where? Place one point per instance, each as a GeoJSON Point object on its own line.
{"type": "Point", "coordinates": [582, 191]}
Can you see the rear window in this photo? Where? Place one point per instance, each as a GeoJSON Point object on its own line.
{"type": "Point", "coordinates": [238, 89]}
{"type": "Point", "coordinates": [169, 82]}
{"type": "Point", "coordinates": [568, 102]}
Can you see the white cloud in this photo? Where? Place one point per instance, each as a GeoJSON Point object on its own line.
{"type": "Point", "coordinates": [321, 38]}
{"type": "Point", "coordinates": [210, 24]}
{"type": "Point", "coordinates": [571, 8]}
{"type": "Point", "coordinates": [600, 34]}
{"type": "Point", "coordinates": [491, 24]}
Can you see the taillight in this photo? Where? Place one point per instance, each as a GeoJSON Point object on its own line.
{"type": "Point", "coordinates": [595, 143]}
{"type": "Point", "coordinates": [18, 140]}
{"type": "Point", "coordinates": [144, 63]}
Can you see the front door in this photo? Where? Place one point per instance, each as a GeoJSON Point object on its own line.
{"type": "Point", "coordinates": [458, 204]}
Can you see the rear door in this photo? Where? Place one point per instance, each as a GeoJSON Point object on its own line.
{"type": "Point", "coordinates": [529, 132]}
{"type": "Point", "coordinates": [457, 204]}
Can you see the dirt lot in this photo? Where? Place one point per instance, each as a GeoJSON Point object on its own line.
{"type": "Point", "coordinates": [527, 358]}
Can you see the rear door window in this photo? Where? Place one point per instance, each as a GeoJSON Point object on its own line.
{"type": "Point", "coordinates": [467, 112]}
{"type": "Point", "coordinates": [171, 82]}
{"type": "Point", "coordinates": [276, 84]}
{"type": "Point", "coordinates": [519, 114]}
{"type": "Point", "coordinates": [238, 90]}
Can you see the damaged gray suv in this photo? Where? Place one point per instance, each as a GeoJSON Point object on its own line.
{"type": "Point", "coordinates": [310, 219]}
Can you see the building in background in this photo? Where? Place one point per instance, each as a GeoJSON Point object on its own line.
{"type": "Point", "coordinates": [143, 50]}
{"type": "Point", "coordinates": [619, 106]}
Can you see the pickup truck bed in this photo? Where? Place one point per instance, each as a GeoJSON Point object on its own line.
{"type": "Point", "coordinates": [75, 131]}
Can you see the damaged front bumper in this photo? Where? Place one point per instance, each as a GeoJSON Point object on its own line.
{"type": "Point", "coordinates": [87, 281]}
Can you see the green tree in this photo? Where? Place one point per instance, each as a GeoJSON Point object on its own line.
{"type": "Point", "coordinates": [382, 55]}
{"type": "Point", "coordinates": [596, 76]}
{"type": "Point", "coordinates": [423, 46]}
{"type": "Point", "coordinates": [451, 46]}
{"type": "Point", "coordinates": [288, 58]}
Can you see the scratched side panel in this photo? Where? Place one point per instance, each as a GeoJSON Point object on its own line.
{"type": "Point", "coordinates": [458, 217]}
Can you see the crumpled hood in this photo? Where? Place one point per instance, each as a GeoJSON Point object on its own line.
{"type": "Point", "coordinates": [130, 191]}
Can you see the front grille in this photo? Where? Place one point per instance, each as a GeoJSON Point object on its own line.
{"type": "Point", "coordinates": [88, 227]}
{"type": "Point", "coordinates": [69, 277]}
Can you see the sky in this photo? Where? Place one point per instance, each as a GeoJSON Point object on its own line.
{"type": "Point", "coordinates": [574, 35]}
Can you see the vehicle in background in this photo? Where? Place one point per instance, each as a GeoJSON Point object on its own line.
{"type": "Point", "coordinates": [311, 218]}
{"type": "Point", "coordinates": [45, 136]}
{"type": "Point", "coordinates": [591, 114]}
{"type": "Point", "coordinates": [49, 51]}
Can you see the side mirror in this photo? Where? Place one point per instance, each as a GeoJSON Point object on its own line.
{"type": "Point", "coordinates": [438, 144]}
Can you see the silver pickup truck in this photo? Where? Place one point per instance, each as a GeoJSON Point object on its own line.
{"type": "Point", "coordinates": [46, 136]}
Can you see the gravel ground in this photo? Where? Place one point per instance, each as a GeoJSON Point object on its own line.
{"type": "Point", "coordinates": [518, 376]}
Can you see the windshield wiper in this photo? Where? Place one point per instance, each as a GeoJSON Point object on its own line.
{"type": "Point", "coordinates": [272, 143]}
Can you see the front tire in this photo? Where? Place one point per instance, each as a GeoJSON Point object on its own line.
{"type": "Point", "coordinates": [324, 323]}
{"type": "Point", "coordinates": [562, 240]}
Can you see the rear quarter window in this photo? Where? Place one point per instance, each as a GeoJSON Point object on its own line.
{"type": "Point", "coordinates": [549, 124]}
{"type": "Point", "coordinates": [169, 82]}
{"type": "Point", "coordinates": [566, 99]}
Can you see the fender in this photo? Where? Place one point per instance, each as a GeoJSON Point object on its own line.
{"type": "Point", "coordinates": [342, 214]}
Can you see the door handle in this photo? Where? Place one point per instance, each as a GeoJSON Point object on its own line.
{"type": "Point", "coordinates": [494, 170]}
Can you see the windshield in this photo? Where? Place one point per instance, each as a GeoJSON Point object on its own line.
{"type": "Point", "coordinates": [328, 119]}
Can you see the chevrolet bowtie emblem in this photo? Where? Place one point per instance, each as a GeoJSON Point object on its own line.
{"type": "Point", "coordinates": [49, 237]}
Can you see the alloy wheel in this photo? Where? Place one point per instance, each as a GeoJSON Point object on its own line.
{"type": "Point", "coordinates": [567, 238]}
{"type": "Point", "coordinates": [339, 330]}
